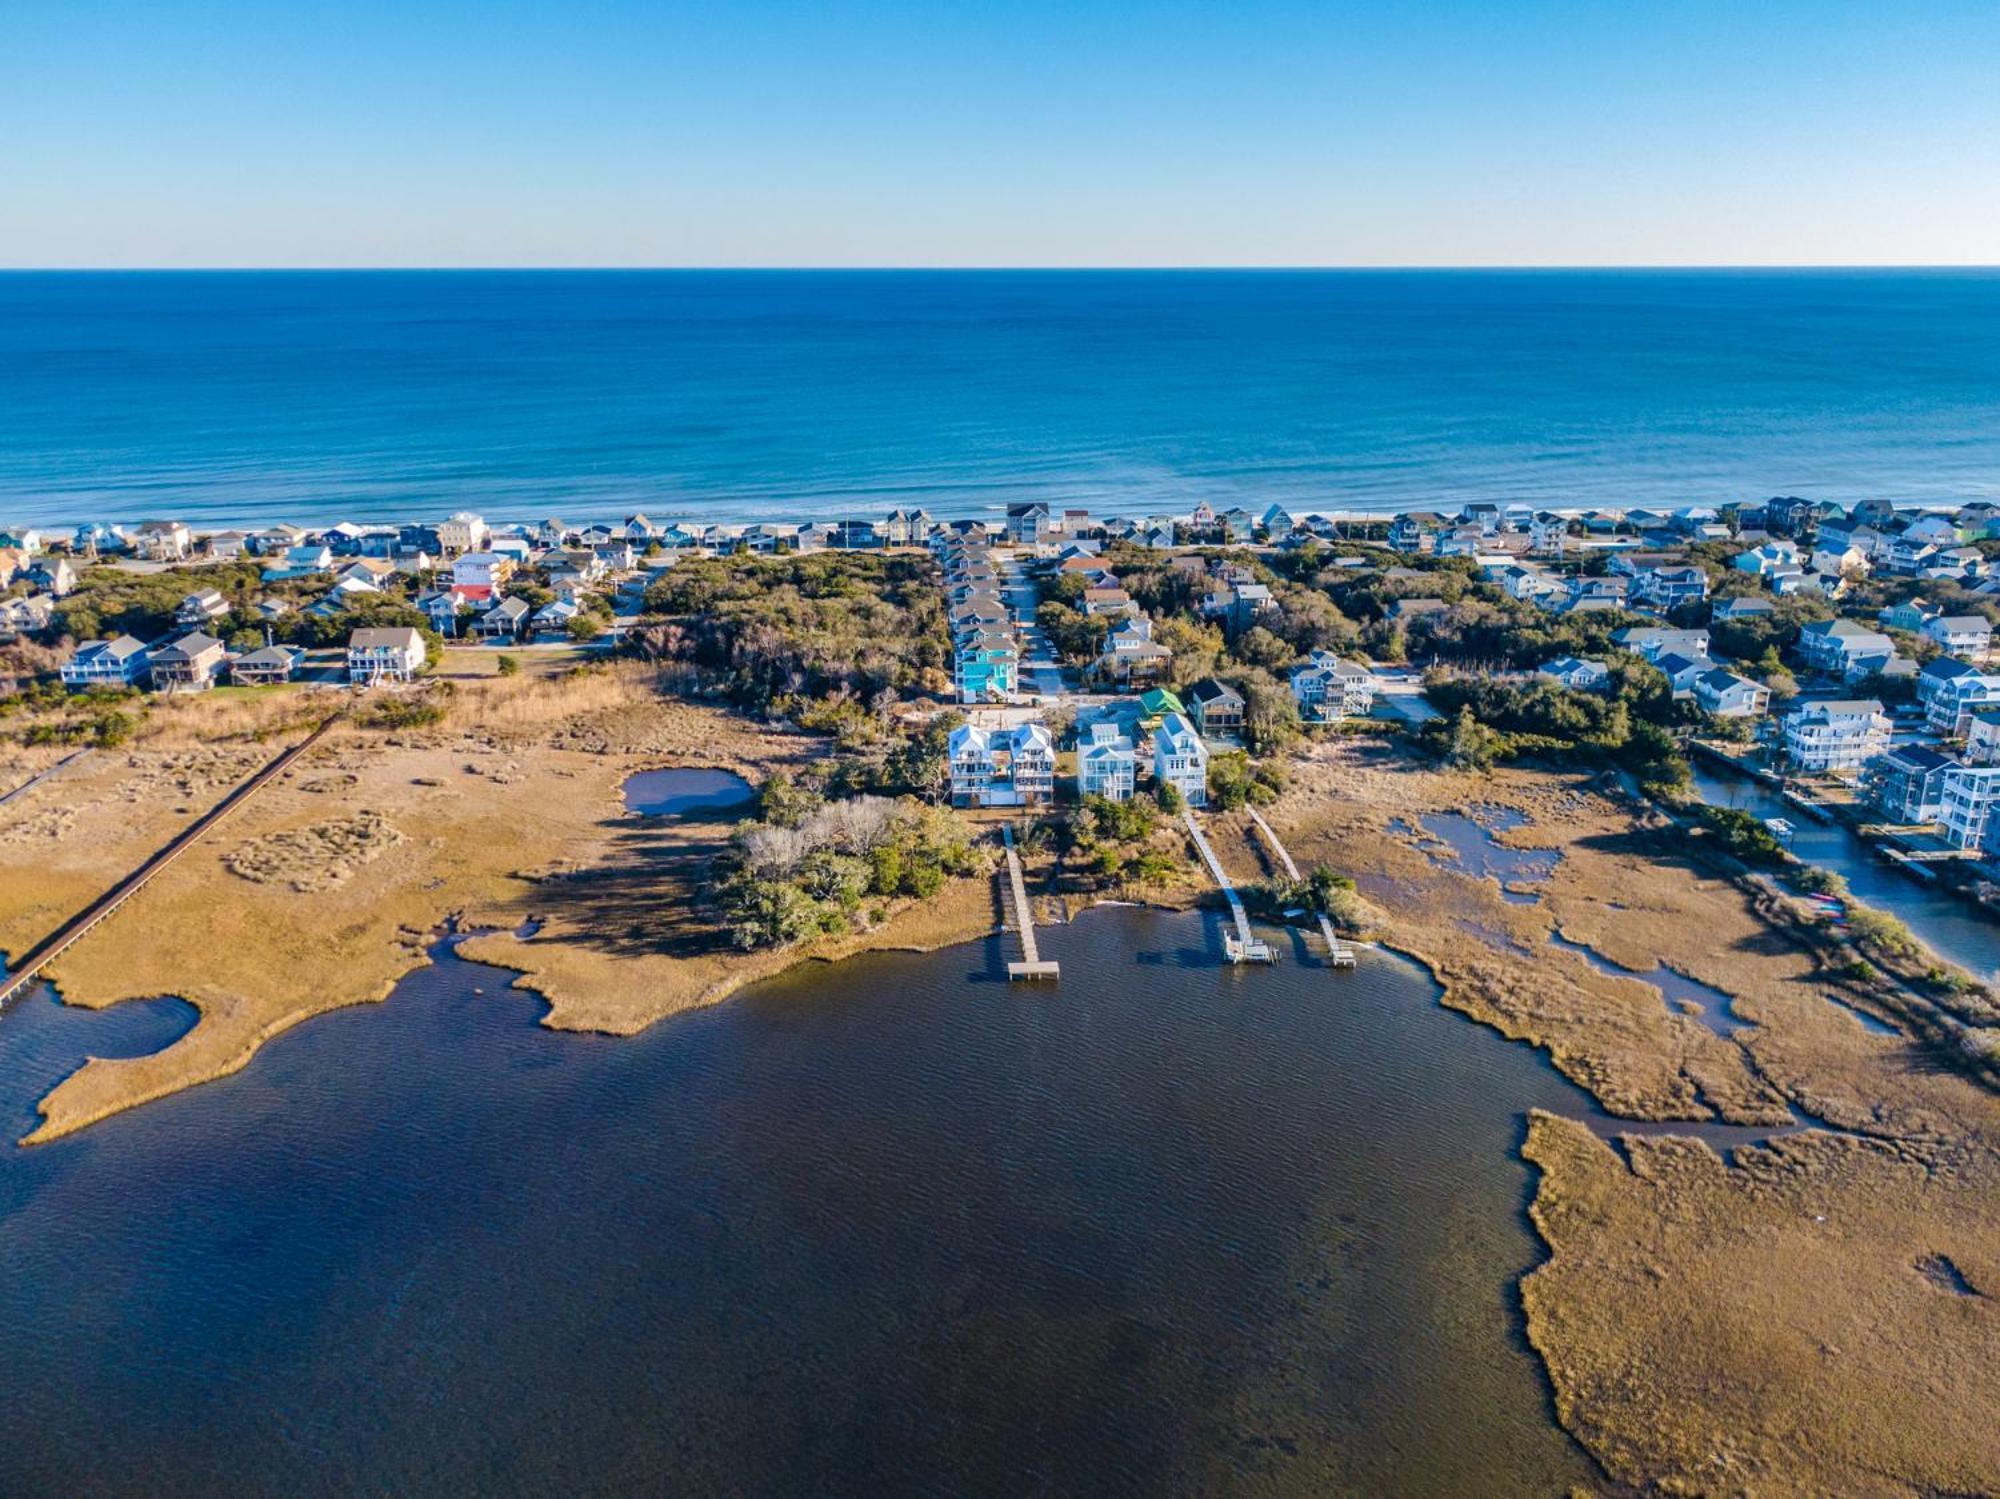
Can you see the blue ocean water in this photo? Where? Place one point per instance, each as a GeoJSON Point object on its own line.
{"type": "Point", "coordinates": [231, 398]}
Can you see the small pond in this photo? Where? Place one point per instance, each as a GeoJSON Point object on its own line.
{"type": "Point", "coordinates": [1473, 849]}
{"type": "Point", "coordinates": [1683, 995]}
{"type": "Point", "coordinates": [667, 793]}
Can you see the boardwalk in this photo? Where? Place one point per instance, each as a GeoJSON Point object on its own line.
{"type": "Point", "coordinates": [1338, 953]}
{"type": "Point", "coordinates": [1243, 947]}
{"type": "Point", "coordinates": [1031, 965]}
{"type": "Point", "coordinates": [66, 763]}
{"type": "Point", "coordinates": [78, 926]}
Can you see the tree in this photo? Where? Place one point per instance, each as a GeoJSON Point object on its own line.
{"type": "Point", "coordinates": [507, 666]}
{"type": "Point", "coordinates": [1472, 745]}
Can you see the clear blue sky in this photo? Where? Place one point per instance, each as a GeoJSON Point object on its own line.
{"type": "Point", "coordinates": [1038, 132]}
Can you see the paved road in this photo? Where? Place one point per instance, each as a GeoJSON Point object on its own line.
{"type": "Point", "coordinates": [1041, 672]}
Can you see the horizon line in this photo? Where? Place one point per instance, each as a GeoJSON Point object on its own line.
{"type": "Point", "coordinates": [997, 269]}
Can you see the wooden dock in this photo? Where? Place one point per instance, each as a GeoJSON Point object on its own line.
{"type": "Point", "coordinates": [1339, 954]}
{"type": "Point", "coordinates": [1032, 964]}
{"type": "Point", "coordinates": [1243, 947]}
{"type": "Point", "coordinates": [45, 952]}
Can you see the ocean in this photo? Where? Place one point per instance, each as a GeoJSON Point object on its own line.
{"type": "Point", "coordinates": [239, 398]}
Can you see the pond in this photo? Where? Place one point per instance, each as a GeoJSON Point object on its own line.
{"type": "Point", "coordinates": [1681, 994]}
{"type": "Point", "coordinates": [1467, 843]}
{"type": "Point", "coordinates": [674, 792]}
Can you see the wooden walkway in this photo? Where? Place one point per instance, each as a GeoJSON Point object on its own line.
{"type": "Point", "coordinates": [1338, 953]}
{"type": "Point", "coordinates": [1031, 965]}
{"type": "Point", "coordinates": [79, 926]}
{"type": "Point", "coordinates": [1243, 947]}
{"type": "Point", "coordinates": [65, 763]}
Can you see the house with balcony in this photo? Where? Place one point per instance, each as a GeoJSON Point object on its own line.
{"type": "Point", "coordinates": [1835, 736]}
{"type": "Point", "coordinates": [106, 663]}
{"type": "Point", "coordinates": [1966, 636]}
{"type": "Point", "coordinates": [1842, 647]}
{"type": "Point", "coordinates": [301, 561]}
{"type": "Point", "coordinates": [506, 620]}
{"type": "Point", "coordinates": [1028, 523]}
{"type": "Point", "coordinates": [393, 653]}
{"type": "Point", "coordinates": [1971, 809]}
{"type": "Point", "coordinates": [1907, 783]}
{"type": "Point", "coordinates": [1682, 672]}
{"type": "Point", "coordinates": [1217, 710]}
{"type": "Point", "coordinates": [1950, 690]}
{"type": "Point", "coordinates": [1577, 673]}
{"type": "Point", "coordinates": [1107, 765]}
{"type": "Point", "coordinates": [1415, 531]}
{"type": "Point", "coordinates": [189, 664]}
{"type": "Point", "coordinates": [1724, 694]}
{"type": "Point", "coordinates": [163, 541]}
{"type": "Point", "coordinates": [483, 569]}
{"type": "Point", "coordinates": [271, 666]}
{"type": "Point", "coordinates": [986, 667]}
{"type": "Point", "coordinates": [464, 532]}
{"type": "Point", "coordinates": [1130, 651]}
{"type": "Point", "coordinates": [1668, 587]}
{"type": "Point", "coordinates": [1548, 533]}
{"type": "Point", "coordinates": [1180, 759]}
{"type": "Point", "coordinates": [1328, 689]}
{"type": "Point", "coordinates": [1008, 766]}
{"type": "Point", "coordinates": [1982, 736]}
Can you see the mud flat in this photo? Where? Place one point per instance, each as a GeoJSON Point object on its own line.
{"type": "Point", "coordinates": [322, 891]}
{"type": "Point", "coordinates": [1819, 1315]}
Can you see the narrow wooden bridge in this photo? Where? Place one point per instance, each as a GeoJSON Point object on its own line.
{"type": "Point", "coordinates": [66, 936]}
{"type": "Point", "coordinates": [1338, 953]}
{"type": "Point", "coordinates": [1243, 947]}
{"type": "Point", "coordinates": [1032, 965]}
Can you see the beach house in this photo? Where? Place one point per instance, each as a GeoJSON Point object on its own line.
{"type": "Point", "coordinates": [268, 667]}
{"type": "Point", "coordinates": [463, 532]}
{"type": "Point", "coordinates": [1577, 673]}
{"type": "Point", "coordinates": [1840, 735]}
{"type": "Point", "coordinates": [1327, 688]}
{"type": "Point", "coordinates": [1180, 759]}
{"type": "Point", "coordinates": [106, 663]}
{"type": "Point", "coordinates": [189, 664]}
{"type": "Point", "coordinates": [1106, 763]}
{"type": "Point", "coordinates": [1724, 694]}
{"type": "Point", "coordinates": [1971, 802]}
{"type": "Point", "coordinates": [1842, 647]}
{"type": "Point", "coordinates": [1967, 636]}
{"type": "Point", "coordinates": [384, 654]}
{"type": "Point", "coordinates": [1217, 710]}
{"type": "Point", "coordinates": [1007, 766]}
{"type": "Point", "coordinates": [1907, 783]}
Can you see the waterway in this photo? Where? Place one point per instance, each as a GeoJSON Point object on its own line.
{"type": "Point", "coordinates": [1947, 922]}
{"type": "Point", "coordinates": [890, 1226]}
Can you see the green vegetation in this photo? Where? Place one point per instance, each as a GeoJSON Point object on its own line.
{"type": "Point", "coordinates": [809, 865]}
{"type": "Point", "coordinates": [1744, 836]}
{"type": "Point", "coordinates": [1235, 781]}
{"type": "Point", "coordinates": [1107, 843]}
{"type": "Point", "coordinates": [839, 637]}
{"type": "Point", "coordinates": [1627, 725]}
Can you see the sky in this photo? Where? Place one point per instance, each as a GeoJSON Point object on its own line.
{"type": "Point", "coordinates": [1001, 132]}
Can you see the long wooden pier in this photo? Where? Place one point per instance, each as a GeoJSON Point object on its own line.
{"type": "Point", "coordinates": [66, 936]}
{"type": "Point", "coordinates": [1243, 947]}
{"type": "Point", "coordinates": [1338, 953]}
{"type": "Point", "coordinates": [1032, 964]}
